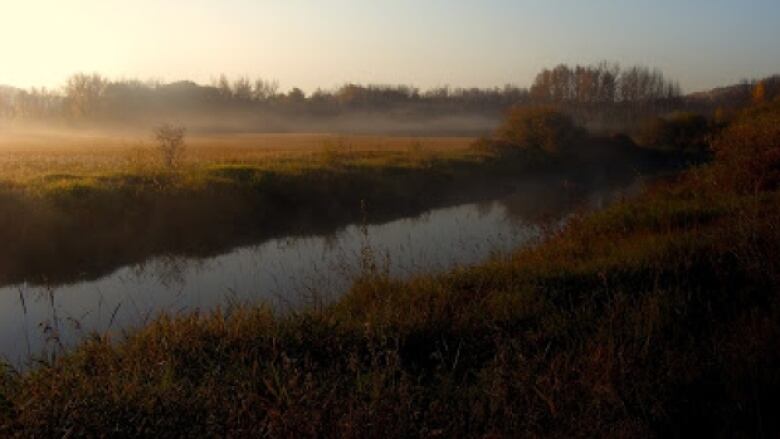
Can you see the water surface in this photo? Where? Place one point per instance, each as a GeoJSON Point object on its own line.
{"type": "Point", "coordinates": [287, 273]}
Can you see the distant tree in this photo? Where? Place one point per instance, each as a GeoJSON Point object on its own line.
{"type": "Point", "coordinates": [264, 90]}
{"type": "Point", "coordinates": [607, 82]}
{"type": "Point", "coordinates": [83, 94]}
{"type": "Point", "coordinates": [242, 89]}
{"type": "Point", "coordinates": [296, 95]}
{"type": "Point", "coordinates": [759, 93]}
{"type": "Point", "coordinates": [170, 143]}
{"type": "Point", "coordinates": [595, 90]}
{"type": "Point", "coordinates": [37, 103]}
{"type": "Point", "coordinates": [223, 86]}
{"type": "Point", "coordinates": [541, 128]}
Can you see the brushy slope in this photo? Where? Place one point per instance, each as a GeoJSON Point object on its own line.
{"type": "Point", "coordinates": [656, 317]}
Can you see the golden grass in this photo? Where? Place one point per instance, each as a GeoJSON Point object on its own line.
{"type": "Point", "coordinates": [29, 156]}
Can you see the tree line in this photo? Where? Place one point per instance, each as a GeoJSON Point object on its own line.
{"type": "Point", "coordinates": [94, 97]}
{"type": "Point", "coordinates": [601, 91]}
{"type": "Point", "coordinates": [604, 83]}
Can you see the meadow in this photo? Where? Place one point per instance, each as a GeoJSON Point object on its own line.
{"type": "Point", "coordinates": [30, 157]}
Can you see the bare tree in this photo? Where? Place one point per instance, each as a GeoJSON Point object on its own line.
{"type": "Point", "coordinates": [170, 143]}
{"type": "Point", "coordinates": [84, 92]}
{"type": "Point", "coordinates": [242, 89]}
{"type": "Point", "coordinates": [264, 90]}
{"type": "Point", "coordinates": [223, 86]}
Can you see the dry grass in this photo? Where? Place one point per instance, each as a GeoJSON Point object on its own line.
{"type": "Point", "coordinates": [25, 157]}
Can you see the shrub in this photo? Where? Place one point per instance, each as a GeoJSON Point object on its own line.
{"type": "Point", "coordinates": [680, 131]}
{"type": "Point", "coordinates": [540, 128]}
{"type": "Point", "coordinates": [748, 152]}
{"type": "Point", "coordinates": [170, 143]}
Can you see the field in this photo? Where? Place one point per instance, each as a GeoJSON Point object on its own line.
{"type": "Point", "coordinates": [91, 197]}
{"type": "Point", "coordinates": [28, 157]}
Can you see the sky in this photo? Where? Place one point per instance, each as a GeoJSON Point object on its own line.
{"type": "Point", "coordinates": [426, 43]}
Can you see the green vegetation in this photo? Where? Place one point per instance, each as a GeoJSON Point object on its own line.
{"type": "Point", "coordinates": [655, 317]}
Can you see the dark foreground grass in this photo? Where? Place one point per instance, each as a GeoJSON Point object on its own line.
{"type": "Point", "coordinates": [656, 317]}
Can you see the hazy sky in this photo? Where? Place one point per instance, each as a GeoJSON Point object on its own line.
{"type": "Point", "coordinates": [325, 43]}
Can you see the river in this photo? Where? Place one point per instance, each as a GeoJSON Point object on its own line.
{"type": "Point", "coordinates": [288, 273]}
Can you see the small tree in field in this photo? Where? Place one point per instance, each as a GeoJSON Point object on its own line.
{"type": "Point", "coordinates": [170, 143]}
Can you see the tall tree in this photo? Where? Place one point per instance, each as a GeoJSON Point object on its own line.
{"type": "Point", "coordinates": [83, 93]}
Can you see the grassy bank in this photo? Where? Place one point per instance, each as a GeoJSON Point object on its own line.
{"type": "Point", "coordinates": [658, 316]}
{"type": "Point", "coordinates": [92, 209]}
{"type": "Point", "coordinates": [88, 212]}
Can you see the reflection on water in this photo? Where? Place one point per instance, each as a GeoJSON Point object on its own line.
{"type": "Point", "coordinates": [287, 273]}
